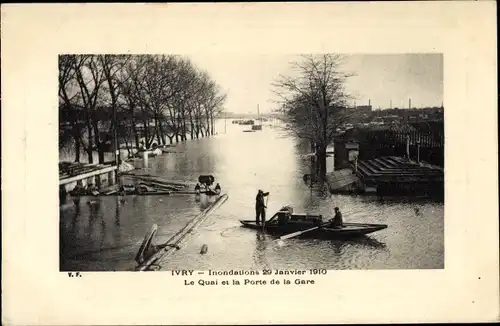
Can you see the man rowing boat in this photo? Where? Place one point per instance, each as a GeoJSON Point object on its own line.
{"type": "Point", "coordinates": [260, 207]}
{"type": "Point", "coordinates": [336, 221]}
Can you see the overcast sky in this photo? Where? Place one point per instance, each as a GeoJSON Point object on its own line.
{"type": "Point", "coordinates": [247, 78]}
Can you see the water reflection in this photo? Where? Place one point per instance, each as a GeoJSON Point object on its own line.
{"type": "Point", "coordinates": [337, 247]}
{"type": "Point", "coordinates": [76, 202]}
{"type": "Point", "coordinates": [97, 224]}
{"type": "Point", "coordinates": [206, 201]}
{"type": "Point", "coordinates": [117, 233]}
{"type": "Point", "coordinates": [360, 242]}
{"type": "Point", "coordinates": [259, 254]}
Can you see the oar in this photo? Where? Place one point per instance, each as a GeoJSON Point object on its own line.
{"type": "Point", "coordinates": [291, 235]}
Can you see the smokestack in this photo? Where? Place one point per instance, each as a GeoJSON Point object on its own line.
{"type": "Point", "coordinates": [369, 102]}
{"type": "Point", "coordinates": [409, 103]}
{"type": "Point", "coordinates": [391, 104]}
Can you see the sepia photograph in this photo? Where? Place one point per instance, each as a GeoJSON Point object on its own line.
{"type": "Point", "coordinates": [251, 162]}
{"type": "Point", "coordinates": [290, 154]}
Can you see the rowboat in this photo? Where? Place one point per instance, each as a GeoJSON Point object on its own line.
{"type": "Point", "coordinates": [281, 224]}
{"type": "Point", "coordinates": [349, 230]}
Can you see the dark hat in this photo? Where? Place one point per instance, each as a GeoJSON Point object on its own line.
{"type": "Point", "coordinates": [336, 208]}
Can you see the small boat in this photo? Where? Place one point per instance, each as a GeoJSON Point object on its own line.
{"type": "Point", "coordinates": [280, 225]}
{"type": "Point", "coordinates": [256, 127]}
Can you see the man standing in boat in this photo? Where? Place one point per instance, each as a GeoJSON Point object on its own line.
{"type": "Point", "coordinates": [260, 207]}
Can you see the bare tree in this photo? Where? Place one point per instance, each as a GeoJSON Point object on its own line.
{"type": "Point", "coordinates": [113, 69]}
{"type": "Point", "coordinates": [314, 101]}
{"type": "Point", "coordinates": [130, 93]}
{"type": "Point", "coordinates": [89, 75]}
{"type": "Point", "coordinates": [166, 94]}
{"type": "Point", "coordinates": [70, 113]}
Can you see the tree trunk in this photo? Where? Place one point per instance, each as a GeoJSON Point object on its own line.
{"type": "Point", "coordinates": [207, 129]}
{"type": "Point", "coordinates": [136, 134]}
{"type": "Point", "coordinates": [191, 123]}
{"type": "Point", "coordinates": [76, 138]}
{"type": "Point", "coordinates": [184, 129]}
{"type": "Point", "coordinates": [152, 138]}
{"type": "Point", "coordinates": [77, 148]}
{"type": "Point", "coordinates": [321, 154]}
{"type": "Point", "coordinates": [133, 125]}
{"type": "Point", "coordinates": [99, 144]}
{"type": "Point", "coordinates": [162, 134]}
{"type": "Point", "coordinates": [157, 127]}
{"type": "Point", "coordinates": [197, 131]}
{"type": "Point", "coordinates": [146, 132]}
{"type": "Point", "coordinates": [91, 143]}
{"type": "Point", "coordinates": [212, 131]}
{"type": "Point", "coordinates": [128, 148]}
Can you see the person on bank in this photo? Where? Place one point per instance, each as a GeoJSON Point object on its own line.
{"type": "Point", "coordinates": [337, 221]}
{"type": "Point", "coordinates": [260, 207]}
{"type": "Point", "coordinates": [197, 188]}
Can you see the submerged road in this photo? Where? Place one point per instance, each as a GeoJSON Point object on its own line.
{"type": "Point", "coordinates": [107, 234]}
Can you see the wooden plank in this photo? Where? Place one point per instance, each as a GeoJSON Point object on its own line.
{"type": "Point", "coordinates": [177, 238]}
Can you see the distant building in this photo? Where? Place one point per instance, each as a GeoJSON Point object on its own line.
{"type": "Point", "coordinates": [363, 109]}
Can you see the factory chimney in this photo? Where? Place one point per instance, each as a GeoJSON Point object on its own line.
{"type": "Point", "coordinates": [409, 103]}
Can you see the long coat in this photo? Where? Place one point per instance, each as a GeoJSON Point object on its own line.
{"type": "Point", "coordinates": [259, 200]}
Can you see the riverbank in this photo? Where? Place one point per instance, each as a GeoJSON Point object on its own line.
{"type": "Point", "coordinates": [128, 154]}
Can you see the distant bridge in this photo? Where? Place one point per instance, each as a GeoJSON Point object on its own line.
{"type": "Point", "coordinates": [232, 115]}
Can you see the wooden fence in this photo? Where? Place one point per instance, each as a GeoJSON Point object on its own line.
{"type": "Point", "coordinates": [393, 143]}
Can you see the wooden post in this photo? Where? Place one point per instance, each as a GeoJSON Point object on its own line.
{"type": "Point", "coordinates": [98, 181]}
{"type": "Point", "coordinates": [111, 178]}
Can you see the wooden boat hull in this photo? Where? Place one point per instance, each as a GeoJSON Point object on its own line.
{"type": "Point", "coordinates": [349, 230]}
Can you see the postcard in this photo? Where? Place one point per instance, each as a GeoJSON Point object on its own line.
{"type": "Point", "coordinates": [300, 163]}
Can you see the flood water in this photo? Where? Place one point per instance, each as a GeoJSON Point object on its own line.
{"type": "Point", "coordinates": [106, 235]}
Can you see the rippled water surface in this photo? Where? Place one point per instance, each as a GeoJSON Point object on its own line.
{"type": "Point", "coordinates": [107, 234]}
